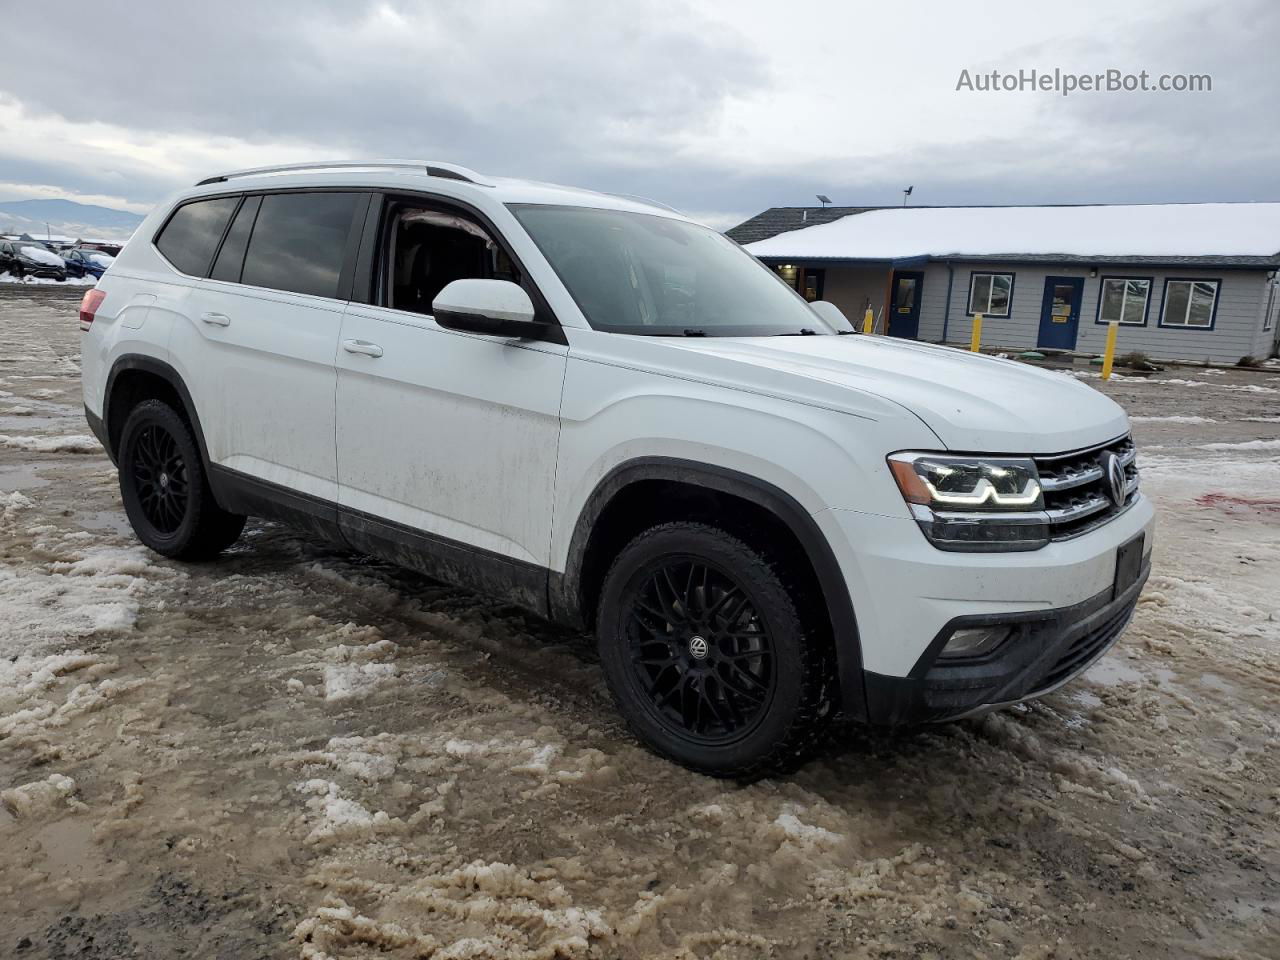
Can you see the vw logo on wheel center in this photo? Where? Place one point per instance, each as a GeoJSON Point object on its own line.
{"type": "Point", "coordinates": [698, 648]}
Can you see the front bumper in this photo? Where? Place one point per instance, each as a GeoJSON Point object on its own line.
{"type": "Point", "coordinates": [906, 594]}
{"type": "Point", "coordinates": [1046, 650]}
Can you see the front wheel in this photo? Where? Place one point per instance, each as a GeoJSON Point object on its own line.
{"type": "Point", "coordinates": [165, 491]}
{"type": "Point", "coordinates": [706, 655]}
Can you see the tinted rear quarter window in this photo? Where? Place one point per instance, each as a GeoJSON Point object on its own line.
{"type": "Point", "coordinates": [192, 233]}
{"type": "Point", "coordinates": [299, 242]}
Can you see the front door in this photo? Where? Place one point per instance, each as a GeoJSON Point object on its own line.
{"type": "Point", "coordinates": [441, 434]}
{"type": "Point", "coordinates": [904, 304]}
{"type": "Point", "coordinates": [1060, 312]}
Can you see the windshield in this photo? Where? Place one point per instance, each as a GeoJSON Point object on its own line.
{"type": "Point", "coordinates": [643, 274]}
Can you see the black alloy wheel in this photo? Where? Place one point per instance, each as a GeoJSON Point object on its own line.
{"type": "Point", "coordinates": [706, 655]}
{"type": "Point", "coordinates": [700, 650]}
{"type": "Point", "coordinates": [160, 477]}
{"type": "Point", "coordinates": [164, 487]}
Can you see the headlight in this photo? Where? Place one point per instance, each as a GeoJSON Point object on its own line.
{"type": "Point", "coordinates": [973, 503]}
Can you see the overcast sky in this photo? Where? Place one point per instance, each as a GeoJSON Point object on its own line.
{"type": "Point", "coordinates": [720, 109]}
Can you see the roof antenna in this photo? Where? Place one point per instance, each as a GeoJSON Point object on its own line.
{"type": "Point", "coordinates": [823, 199]}
{"type": "Point", "coordinates": [906, 193]}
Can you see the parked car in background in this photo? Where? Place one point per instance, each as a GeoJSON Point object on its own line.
{"type": "Point", "coordinates": [80, 262]}
{"type": "Point", "coordinates": [109, 247]}
{"type": "Point", "coordinates": [30, 258]}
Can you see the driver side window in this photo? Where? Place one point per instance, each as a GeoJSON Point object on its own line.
{"type": "Point", "coordinates": [427, 247]}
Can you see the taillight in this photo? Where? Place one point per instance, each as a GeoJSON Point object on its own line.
{"type": "Point", "coordinates": [89, 306]}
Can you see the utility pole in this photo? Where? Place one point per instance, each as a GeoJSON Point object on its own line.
{"type": "Point", "coordinates": [906, 193]}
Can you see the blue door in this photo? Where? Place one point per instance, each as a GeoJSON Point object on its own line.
{"type": "Point", "coordinates": [904, 304]}
{"type": "Point", "coordinates": [1060, 312]}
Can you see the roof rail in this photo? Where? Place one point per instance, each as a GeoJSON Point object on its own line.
{"type": "Point", "coordinates": [448, 171]}
{"type": "Point", "coordinates": [646, 200]}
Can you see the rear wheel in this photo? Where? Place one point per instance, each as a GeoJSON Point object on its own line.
{"type": "Point", "coordinates": [165, 491]}
{"type": "Point", "coordinates": [706, 655]}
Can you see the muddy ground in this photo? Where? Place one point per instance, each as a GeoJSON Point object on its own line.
{"type": "Point", "coordinates": [298, 752]}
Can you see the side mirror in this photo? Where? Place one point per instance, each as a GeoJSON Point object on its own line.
{"type": "Point", "coordinates": [833, 315]}
{"type": "Point", "coordinates": [498, 308]}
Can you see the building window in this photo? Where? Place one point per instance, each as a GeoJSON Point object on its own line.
{"type": "Point", "coordinates": [1191, 304]}
{"type": "Point", "coordinates": [990, 294]}
{"type": "Point", "coordinates": [1124, 300]}
{"type": "Point", "coordinates": [1273, 307]}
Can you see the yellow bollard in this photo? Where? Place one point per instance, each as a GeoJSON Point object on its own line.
{"type": "Point", "coordinates": [976, 342]}
{"type": "Point", "coordinates": [868, 321]}
{"type": "Point", "coordinates": [1109, 354]}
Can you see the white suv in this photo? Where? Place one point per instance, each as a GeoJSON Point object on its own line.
{"type": "Point", "coordinates": [616, 418]}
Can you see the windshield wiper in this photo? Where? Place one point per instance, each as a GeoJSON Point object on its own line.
{"type": "Point", "coordinates": [802, 332]}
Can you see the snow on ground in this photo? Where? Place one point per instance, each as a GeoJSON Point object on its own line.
{"type": "Point", "coordinates": [85, 281]}
{"type": "Point", "coordinates": [294, 751]}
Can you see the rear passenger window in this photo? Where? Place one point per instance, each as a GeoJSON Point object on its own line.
{"type": "Point", "coordinates": [299, 242]}
{"type": "Point", "coordinates": [192, 233]}
{"type": "Point", "coordinates": [231, 256]}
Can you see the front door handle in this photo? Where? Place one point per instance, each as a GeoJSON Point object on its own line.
{"type": "Point", "coordinates": [362, 347]}
{"type": "Point", "coordinates": [217, 319]}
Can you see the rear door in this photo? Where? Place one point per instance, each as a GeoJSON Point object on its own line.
{"type": "Point", "coordinates": [260, 335]}
{"type": "Point", "coordinates": [446, 440]}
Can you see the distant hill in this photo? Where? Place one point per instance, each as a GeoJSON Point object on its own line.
{"type": "Point", "coordinates": [66, 217]}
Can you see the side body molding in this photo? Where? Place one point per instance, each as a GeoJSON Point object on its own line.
{"type": "Point", "coordinates": [565, 590]}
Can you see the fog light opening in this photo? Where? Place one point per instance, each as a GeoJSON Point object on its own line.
{"type": "Point", "coordinates": [976, 641]}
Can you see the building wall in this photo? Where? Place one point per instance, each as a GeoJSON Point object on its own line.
{"type": "Point", "coordinates": [1237, 329]}
{"type": "Point", "coordinates": [853, 288]}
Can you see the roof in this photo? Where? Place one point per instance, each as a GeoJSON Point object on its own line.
{"type": "Point", "coordinates": [435, 176]}
{"type": "Point", "coordinates": [778, 220]}
{"type": "Point", "coordinates": [1195, 234]}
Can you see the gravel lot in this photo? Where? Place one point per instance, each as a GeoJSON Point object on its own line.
{"type": "Point", "coordinates": [299, 752]}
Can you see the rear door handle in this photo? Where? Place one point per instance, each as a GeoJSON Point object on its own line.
{"type": "Point", "coordinates": [217, 319]}
{"type": "Point", "coordinates": [362, 347]}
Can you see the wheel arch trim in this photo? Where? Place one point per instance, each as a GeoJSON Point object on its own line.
{"type": "Point", "coordinates": [565, 590]}
{"type": "Point", "coordinates": [165, 371]}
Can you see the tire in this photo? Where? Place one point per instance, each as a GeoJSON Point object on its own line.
{"type": "Point", "coordinates": [707, 657]}
{"type": "Point", "coordinates": [165, 489]}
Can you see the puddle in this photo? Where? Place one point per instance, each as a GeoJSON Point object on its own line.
{"type": "Point", "coordinates": [1111, 672]}
{"type": "Point", "coordinates": [21, 476]}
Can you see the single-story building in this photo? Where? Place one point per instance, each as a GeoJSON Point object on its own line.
{"type": "Point", "coordinates": [1195, 281]}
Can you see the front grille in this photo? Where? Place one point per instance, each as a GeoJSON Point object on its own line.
{"type": "Point", "coordinates": [1077, 494]}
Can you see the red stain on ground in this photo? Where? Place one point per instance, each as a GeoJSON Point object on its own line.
{"type": "Point", "coordinates": [1232, 504]}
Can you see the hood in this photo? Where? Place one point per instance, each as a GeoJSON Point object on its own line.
{"type": "Point", "coordinates": [971, 401]}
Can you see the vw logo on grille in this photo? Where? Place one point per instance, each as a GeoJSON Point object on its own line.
{"type": "Point", "coordinates": [1115, 479]}
{"type": "Point", "coordinates": [698, 648]}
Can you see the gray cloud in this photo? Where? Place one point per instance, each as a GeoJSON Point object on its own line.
{"type": "Point", "coordinates": [601, 95]}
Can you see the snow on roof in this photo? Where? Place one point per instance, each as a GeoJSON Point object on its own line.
{"type": "Point", "coordinates": [1221, 230]}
